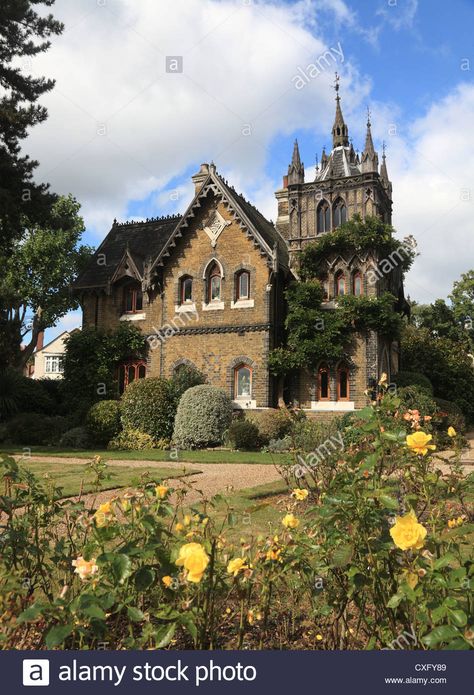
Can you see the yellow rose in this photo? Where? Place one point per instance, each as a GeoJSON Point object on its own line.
{"type": "Point", "coordinates": [187, 520]}
{"type": "Point", "coordinates": [103, 514]}
{"type": "Point", "coordinates": [300, 494]}
{"type": "Point", "coordinates": [161, 491]}
{"type": "Point", "coordinates": [179, 527]}
{"type": "Point", "coordinates": [236, 565]}
{"type": "Point", "coordinates": [167, 581]}
{"type": "Point", "coordinates": [85, 568]}
{"type": "Point", "coordinates": [407, 533]}
{"type": "Point", "coordinates": [290, 521]}
{"type": "Point", "coordinates": [194, 559]}
{"type": "Point", "coordinates": [451, 432]}
{"type": "Point", "coordinates": [418, 442]}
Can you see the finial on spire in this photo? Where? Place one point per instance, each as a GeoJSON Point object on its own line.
{"type": "Point", "coordinates": [368, 117]}
{"type": "Point", "coordinates": [340, 133]}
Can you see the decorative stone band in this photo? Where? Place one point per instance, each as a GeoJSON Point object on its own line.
{"type": "Point", "coordinates": [253, 328]}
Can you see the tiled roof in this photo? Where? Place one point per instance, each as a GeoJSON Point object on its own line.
{"type": "Point", "coordinates": [142, 239]}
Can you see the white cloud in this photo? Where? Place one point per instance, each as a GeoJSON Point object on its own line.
{"type": "Point", "coordinates": [121, 128]}
{"type": "Point", "coordinates": [432, 168]}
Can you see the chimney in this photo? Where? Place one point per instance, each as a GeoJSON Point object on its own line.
{"type": "Point", "coordinates": [200, 177]}
{"type": "Point", "coordinates": [40, 341]}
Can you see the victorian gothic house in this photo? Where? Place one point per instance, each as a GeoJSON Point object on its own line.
{"type": "Point", "coordinates": [207, 287]}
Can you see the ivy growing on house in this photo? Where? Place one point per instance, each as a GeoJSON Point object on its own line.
{"type": "Point", "coordinates": [358, 235]}
{"type": "Point", "coordinates": [316, 332]}
{"type": "Point", "coordinates": [90, 363]}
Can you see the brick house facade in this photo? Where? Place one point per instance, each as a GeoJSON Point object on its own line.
{"type": "Point", "coordinates": [207, 287]}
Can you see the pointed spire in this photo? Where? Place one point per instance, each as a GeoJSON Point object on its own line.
{"type": "Point", "coordinates": [296, 168]}
{"type": "Point", "coordinates": [370, 158]}
{"type": "Point", "coordinates": [340, 133]}
{"type": "Point", "coordinates": [387, 184]}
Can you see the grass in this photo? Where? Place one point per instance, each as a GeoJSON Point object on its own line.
{"type": "Point", "coordinates": [201, 456]}
{"type": "Point", "coordinates": [70, 476]}
{"type": "Point", "coordinates": [251, 512]}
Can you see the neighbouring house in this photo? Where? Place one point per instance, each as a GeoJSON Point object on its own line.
{"type": "Point", "coordinates": [207, 287]}
{"type": "Point", "coordinates": [47, 360]}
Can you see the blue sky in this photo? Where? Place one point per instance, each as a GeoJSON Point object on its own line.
{"type": "Point", "coordinates": [124, 136]}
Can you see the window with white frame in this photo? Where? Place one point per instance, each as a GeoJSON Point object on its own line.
{"type": "Point", "coordinates": [54, 364]}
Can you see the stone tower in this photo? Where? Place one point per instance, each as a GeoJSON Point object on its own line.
{"type": "Point", "coordinates": [345, 184]}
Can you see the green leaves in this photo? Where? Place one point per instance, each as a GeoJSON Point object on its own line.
{"type": "Point", "coordinates": [164, 635]}
{"type": "Point", "coordinates": [144, 578]}
{"type": "Point", "coordinates": [118, 565]}
{"type": "Point", "coordinates": [57, 635]}
{"type": "Point", "coordinates": [440, 634]}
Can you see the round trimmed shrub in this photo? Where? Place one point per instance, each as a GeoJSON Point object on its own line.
{"type": "Point", "coordinates": [184, 378]}
{"type": "Point", "coordinates": [244, 435]}
{"type": "Point", "coordinates": [204, 414]}
{"type": "Point", "coordinates": [272, 423]}
{"type": "Point", "coordinates": [36, 429]}
{"type": "Point", "coordinates": [403, 379]}
{"type": "Point", "coordinates": [103, 421]}
{"type": "Point", "coordinates": [132, 440]}
{"type": "Point", "coordinates": [148, 405]}
{"type": "Point", "coordinates": [76, 438]}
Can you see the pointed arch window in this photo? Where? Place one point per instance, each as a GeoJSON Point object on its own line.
{"type": "Point", "coordinates": [243, 381]}
{"type": "Point", "coordinates": [242, 285]}
{"type": "Point", "coordinates": [186, 289]}
{"type": "Point", "coordinates": [323, 217]}
{"type": "Point", "coordinates": [130, 371]}
{"type": "Point", "coordinates": [214, 284]}
{"type": "Point", "coordinates": [357, 284]}
{"type": "Point", "coordinates": [343, 386]}
{"type": "Point", "coordinates": [340, 284]}
{"type": "Point", "coordinates": [324, 389]}
{"type": "Point", "coordinates": [339, 213]}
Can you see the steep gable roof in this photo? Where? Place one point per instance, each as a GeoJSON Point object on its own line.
{"type": "Point", "coordinates": [139, 240]}
{"type": "Point", "coordinates": [136, 248]}
{"type": "Point", "coordinates": [256, 226]}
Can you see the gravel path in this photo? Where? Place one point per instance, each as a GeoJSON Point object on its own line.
{"type": "Point", "coordinates": [202, 483]}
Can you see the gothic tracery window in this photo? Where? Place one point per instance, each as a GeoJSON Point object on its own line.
{"type": "Point", "coordinates": [323, 217]}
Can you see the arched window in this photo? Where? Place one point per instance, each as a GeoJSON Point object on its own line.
{"type": "Point", "coordinates": [324, 217]}
{"type": "Point", "coordinates": [130, 371]}
{"type": "Point", "coordinates": [133, 299]}
{"type": "Point", "coordinates": [243, 381]}
{"type": "Point", "coordinates": [186, 289]}
{"type": "Point", "coordinates": [214, 284]}
{"type": "Point", "coordinates": [343, 383]}
{"type": "Point", "coordinates": [357, 284]}
{"type": "Point", "coordinates": [324, 390]}
{"type": "Point", "coordinates": [242, 285]}
{"type": "Point", "coordinates": [339, 213]}
{"type": "Point", "coordinates": [340, 284]}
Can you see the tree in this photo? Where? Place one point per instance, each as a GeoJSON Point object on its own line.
{"type": "Point", "coordinates": [440, 319]}
{"type": "Point", "coordinates": [36, 278]}
{"type": "Point", "coordinates": [462, 298]}
{"type": "Point", "coordinates": [444, 361]}
{"type": "Point", "coordinates": [23, 35]}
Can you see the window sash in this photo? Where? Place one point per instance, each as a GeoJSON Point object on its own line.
{"type": "Point", "coordinates": [243, 286]}
{"type": "Point", "coordinates": [186, 290]}
{"type": "Point", "coordinates": [215, 288]}
{"type": "Point", "coordinates": [243, 382]}
{"type": "Point", "coordinates": [54, 364]}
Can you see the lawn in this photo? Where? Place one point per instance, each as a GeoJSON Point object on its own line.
{"type": "Point", "coordinates": [73, 477]}
{"type": "Point", "coordinates": [201, 456]}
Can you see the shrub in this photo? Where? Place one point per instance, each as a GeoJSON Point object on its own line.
{"type": "Point", "coordinates": [244, 435]}
{"type": "Point", "coordinates": [279, 446]}
{"type": "Point", "coordinates": [271, 423]}
{"type": "Point", "coordinates": [36, 429]}
{"type": "Point", "coordinates": [131, 439]}
{"type": "Point", "coordinates": [19, 394]}
{"type": "Point", "coordinates": [103, 421]}
{"type": "Point", "coordinates": [204, 414]}
{"type": "Point", "coordinates": [148, 405]}
{"type": "Point", "coordinates": [76, 438]}
{"type": "Point", "coordinates": [449, 415]}
{"type": "Point", "coordinates": [413, 379]}
{"type": "Point", "coordinates": [184, 378]}
{"type": "Point", "coordinates": [416, 398]}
